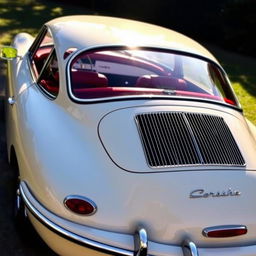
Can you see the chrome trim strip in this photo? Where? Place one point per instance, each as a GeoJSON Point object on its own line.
{"type": "Point", "coordinates": [224, 227]}
{"type": "Point", "coordinates": [69, 235]}
{"type": "Point", "coordinates": [189, 248]}
{"type": "Point", "coordinates": [141, 242]}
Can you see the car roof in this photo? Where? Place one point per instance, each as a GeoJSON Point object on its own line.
{"type": "Point", "coordinates": [86, 31]}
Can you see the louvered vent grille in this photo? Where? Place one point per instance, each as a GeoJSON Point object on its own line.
{"type": "Point", "coordinates": [177, 138]}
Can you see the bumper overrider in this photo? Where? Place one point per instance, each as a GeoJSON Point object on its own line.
{"type": "Point", "coordinates": [139, 244]}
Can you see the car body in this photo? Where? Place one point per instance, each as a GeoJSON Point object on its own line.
{"type": "Point", "coordinates": [142, 124]}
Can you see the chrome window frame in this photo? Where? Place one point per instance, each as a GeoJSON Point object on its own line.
{"type": "Point", "coordinates": [31, 52]}
{"type": "Point", "coordinates": [139, 97]}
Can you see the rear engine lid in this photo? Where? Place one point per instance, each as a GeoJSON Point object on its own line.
{"type": "Point", "coordinates": [156, 139]}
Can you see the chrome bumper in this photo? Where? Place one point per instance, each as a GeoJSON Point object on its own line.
{"type": "Point", "coordinates": [189, 248]}
{"type": "Point", "coordinates": [140, 236]}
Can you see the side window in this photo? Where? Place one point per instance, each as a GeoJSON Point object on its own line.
{"type": "Point", "coordinates": [42, 52]}
{"type": "Point", "coordinates": [48, 79]}
{"type": "Point", "coordinates": [44, 63]}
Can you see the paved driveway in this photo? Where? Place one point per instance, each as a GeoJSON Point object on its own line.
{"type": "Point", "coordinates": [12, 243]}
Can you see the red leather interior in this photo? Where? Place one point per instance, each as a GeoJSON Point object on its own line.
{"type": "Point", "coordinates": [88, 79]}
{"type": "Point", "coordinates": [40, 57]}
{"type": "Point", "coordinates": [68, 52]}
{"type": "Point", "coordinates": [50, 86]}
{"type": "Point", "coordinates": [161, 82]}
{"type": "Point", "coordinates": [42, 53]}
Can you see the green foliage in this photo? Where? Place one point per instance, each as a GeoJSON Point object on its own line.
{"type": "Point", "coordinates": [241, 71]}
{"type": "Point", "coordinates": [29, 15]}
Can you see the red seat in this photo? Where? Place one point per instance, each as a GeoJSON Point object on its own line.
{"type": "Point", "coordinates": [68, 52]}
{"type": "Point", "coordinates": [42, 53]}
{"type": "Point", "coordinates": [88, 79]}
{"type": "Point", "coordinates": [41, 56]}
{"type": "Point", "coordinates": [162, 82]}
{"type": "Point", "coordinates": [52, 83]}
{"type": "Point", "coordinates": [50, 86]}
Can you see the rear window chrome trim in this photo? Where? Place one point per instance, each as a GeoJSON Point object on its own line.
{"type": "Point", "coordinates": [138, 97]}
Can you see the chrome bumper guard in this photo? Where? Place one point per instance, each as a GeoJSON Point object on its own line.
{"type": "Point", "coordinates": [189, 248]}
{"type": "Point", "coordinates": [140, 237]}
{"type": "Point", "coordinates": [141, 243]}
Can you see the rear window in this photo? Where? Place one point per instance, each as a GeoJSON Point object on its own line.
{"type": "Point", "coordinates": [122, 73]}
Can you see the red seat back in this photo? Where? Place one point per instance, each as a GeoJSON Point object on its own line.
{"type": "Point", "coordinates": [162, 82]}
{"type": "Point", "coordinates": [50, 86]}
{"type": "Point", "coordinates": [88, 79]}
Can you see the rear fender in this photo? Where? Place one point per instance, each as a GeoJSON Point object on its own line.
{"type": "Point", "coordinates": [252, 128]}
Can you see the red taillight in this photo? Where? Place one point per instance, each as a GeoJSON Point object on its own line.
{"type": "Point", "coordinates": [229, 101]}
{"type": "Point", "coordinates": [225, 231]}
{"type": "Point", "coordinates": [80, 205]}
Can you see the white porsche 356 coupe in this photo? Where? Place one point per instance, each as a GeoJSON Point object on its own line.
{"type": "Point", "coordinates": [129, 141]}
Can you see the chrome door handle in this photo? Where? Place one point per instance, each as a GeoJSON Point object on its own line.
{"type": "Point", "coordinates": [11, 100]}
